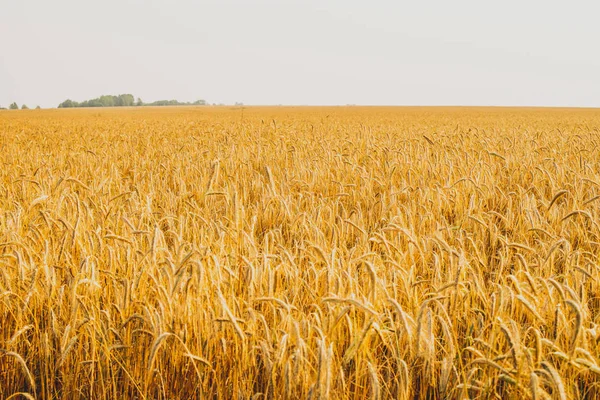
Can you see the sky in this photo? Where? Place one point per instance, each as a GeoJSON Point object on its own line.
{"type": "Point", "coordinates": [302, 52]}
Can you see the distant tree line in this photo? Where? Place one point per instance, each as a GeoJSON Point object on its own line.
{"type": "Point", "coordinates": [175, 103]}
{"type": "Point", "coordinates": [124, 100]}
{"type": "Point", "coordinates": [15, 106]}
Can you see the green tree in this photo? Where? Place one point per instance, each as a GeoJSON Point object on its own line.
{"type": "Point", "coordinates": [126, 100]}
{"type": "Point", "coordinates": [108, 101]}
{"type": "Point", "coordinates": [67, 104]}
{"type": "Point", "coordinates": [14, 106]}
{"type": "Point", "coordinates": [139, 102]}
{"type": "Point", "coordinates": [24, 107]}
{"type": "Point", "coordinates": [38, 108]}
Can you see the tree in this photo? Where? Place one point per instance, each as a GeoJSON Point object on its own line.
{"type": "Point", "coordinates": [24, 107]}
{"type": "Point", "coordinates": [139, 102]}
{"type": "Point", "coordinates": [14, 106]}
{"type": "Point", "coordinates": [126, 100]}
{"type": "Point", "coordinates": [67, 104]}
{"type": "Point", "coordinates": [38, 108]}
{"type": "Point", "coordinates": [108, 101]}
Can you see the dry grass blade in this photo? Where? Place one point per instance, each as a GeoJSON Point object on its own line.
{"type": "Point", "coordinates": [557, 196]}
{"type": "Point", "coordinates": [154, 350]}
{"type": "Point", "coordinates": [556, 380]}
{"type": "Point", "coordinates": [23, 365]}
{"type": "Point", "coordinates": [21, 394]}
{"type": "Point", "coordinates": [231, 317]}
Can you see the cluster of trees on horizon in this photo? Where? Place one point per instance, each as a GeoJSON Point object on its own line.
{"type": "Point", "coordinates": [122, 100]}
{"type": "Point", "coordinates": [125, 100]}
{"type": "Point", "coordinates": [15, 106]}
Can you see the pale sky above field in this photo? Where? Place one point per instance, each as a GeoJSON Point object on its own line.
{"type": "Point", "coordinates": [302, 51]}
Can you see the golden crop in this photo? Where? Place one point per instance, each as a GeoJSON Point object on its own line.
{"type": "Point", "coordinates": [299, 253]}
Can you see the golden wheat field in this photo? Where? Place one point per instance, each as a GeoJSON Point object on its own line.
{"type": "Point", "coordinates": [300, 253]}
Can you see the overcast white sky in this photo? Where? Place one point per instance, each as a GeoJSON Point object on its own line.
{"type": "Point", "coordinates": [393, 52]}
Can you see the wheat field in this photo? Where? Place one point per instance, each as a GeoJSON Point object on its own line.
{"type": "Point", "coordinates": [300, 253]}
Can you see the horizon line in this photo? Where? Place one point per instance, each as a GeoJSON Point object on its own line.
{"type": "Point", "coordinates": [349, 105]}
